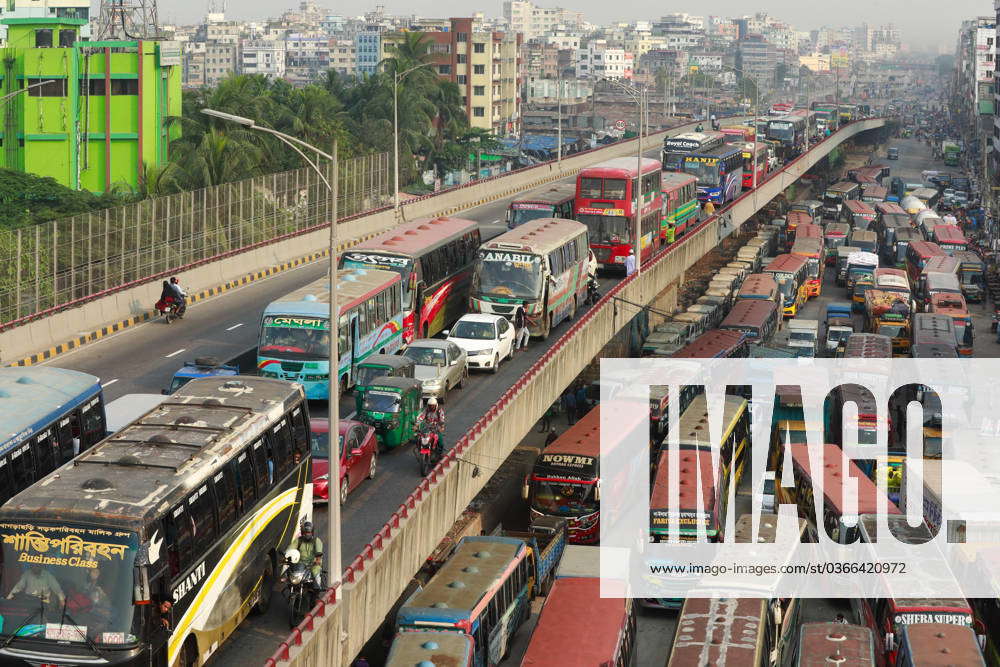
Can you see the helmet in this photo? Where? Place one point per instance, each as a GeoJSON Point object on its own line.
{"type": "Point", "coordinates": [432, 402]}
{"type": "Point", "coordinates": [293, 556]}
{"type": "Point", "coordinates": [307, 529]}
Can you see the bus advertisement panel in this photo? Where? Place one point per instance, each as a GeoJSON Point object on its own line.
{"type": "Point", "coordinates": [434, 257]}
{"type": "Point", "coordinates": [605, 203]}
{"type": "Point", "coordinates": [676, 147]}
{"type": "Point", "coordinates": [719, 173]}
{"type": "Point", "coordinates": [294, 341]}
{"type": "Point", "coordinates": [541, 265]}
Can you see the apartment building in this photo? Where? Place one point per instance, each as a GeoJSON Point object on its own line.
{"type": "Point", "coordinates": [599, 60]}
{"type": "Point", "coordinates": [343, 57]}
{"type": "Point", "coordinates": [757, 58]}
{"type": "Point", "coordinates": [262, 56]}
{"type": "Point", "coordinates": [533, 21]}
{"type": "Point", "coordinates": [307, 56]}
{"type": "Point", "coordinates": [221, 61]}
{"type": "Point", "coordinates": [368, 49]}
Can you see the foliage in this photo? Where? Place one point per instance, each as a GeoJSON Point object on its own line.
{"type": "Point", "coordinates": [26, 199]}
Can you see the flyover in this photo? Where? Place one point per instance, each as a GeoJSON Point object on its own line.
{"type": "Point", "coordinates": [342, 622]}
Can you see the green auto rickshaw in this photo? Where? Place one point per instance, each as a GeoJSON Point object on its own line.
{"type": "Point", "coordinates": [372, 369]}
{"type": "Point", "coordinates": [392, 405]}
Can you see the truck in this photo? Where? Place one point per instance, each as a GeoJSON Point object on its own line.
{"type": "Point", "coordinates": [951, 152]}
{"type": "Point", "coordinates": [839, 324]}
{"type": "Point", "coordinates": [888, 314]}
{"type": "Point", "coordinates": [802, 336]}
{"type": "Point", "coordinates": [202, 367]}
{"type": "Point", "coordinates": [547, 539]}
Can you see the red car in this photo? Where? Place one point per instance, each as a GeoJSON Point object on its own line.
{"type": "Point", "coordinates": [358, 458]}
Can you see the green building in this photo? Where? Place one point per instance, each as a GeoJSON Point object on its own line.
{"type": "Point", "coordinates": [101, 112]}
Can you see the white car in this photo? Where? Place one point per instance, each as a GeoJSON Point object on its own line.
{"type": "Point", "coordinates": [486, 339]}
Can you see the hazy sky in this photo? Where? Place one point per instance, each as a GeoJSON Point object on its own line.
{"type": "Point", "coordinates": [927, 22]}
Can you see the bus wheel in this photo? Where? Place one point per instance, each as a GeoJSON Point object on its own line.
{"type": "Point", "coordinates": [266, 590]}
{"type": "Point", "coordinates": [189, 653]}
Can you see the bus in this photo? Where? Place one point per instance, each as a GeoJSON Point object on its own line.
{"type": "Point", "coordinates": [868, 346]}
{"type": "Point", "coordinates": [933, 330]}
{"type": "Point", "coordinates": [731, 443]}
{"type": "Point", "coordinates": [716, 344]}
{"type": "Point", "coordinates": [874, 194]}
{"type": "Point", "coordinates": [793, 220]}
{"type": "Point", "coordinates": [551, 201]}
{"type": "Point", "coordinates": [831, 642]}
{"type": "Point", "coordinates": [541, 265]}
{"type": "Point", "coordinates": [954, 306]}
{"type": "Point", "coordinates": [680, 205]}
{"type": "Point", "coordinates": [858, 214]}
{"type": "Point", "coordinates": [789, 271]}
{"type": "Point", "coordinates": [925, 643]}
{"type": "Point", "coordinates": [759, 286]}
{"type": "Point", "coordinates": [809, 244]}
{"type": "Point", "coordinates": [903, 238]}
{"type": "Point", "coordinates": [294, 340]}
{"type": "Point", "coordinates": [719, 172]}
{"type": "Point", "coordinates": [610, 624]}
{"type": "Point", "coordinates": [605, 203]}
{"type": "Point", "coordinates": [972, 275]}
{"type": "Point", "coordinates": [756, 318]}
{"type": "Point", "coordinates": [834, 236]}
{"type": "Point", "coordinates": [835, 197]}
{"type": "Point", "coordinates": [949, 238]}
{"type": "Point", "coordinates": [917, 254]}
{"type": "Point", "coordinates": [840, 526]}
{"type": "Point", "coordinates": [722, 632]}
{"type": "Point", "coordinates": [191, 504]}
{"type": "Point", "coordinates": [788, 133]}
{"type": "Point", "coordinates": [566, 476]}
{"type": "Point", "coordinates": [415, 647]}
{"type": "Point", "coordinates": [491, 603]}
{"type": "Point", "coordinates": [676, 147]}
{"type": "Point", "coordinates": [434, 257]}
{"type": "Point", "coordinates": [50, 415]}
{"type": "Point", "coordinates": [689, 516]}
{"type": "Point", "coordinates": [750, 150]}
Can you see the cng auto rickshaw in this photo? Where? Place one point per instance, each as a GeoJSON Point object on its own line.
{"type": "Point", "coordinates": [374, 368]}
{"type": "Point", "coordinates": [392, 406]}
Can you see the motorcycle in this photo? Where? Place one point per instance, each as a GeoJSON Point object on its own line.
{"type": "Point", "coordinates": [593, 292]}
{"type": "Point", "coordinates": [427, 449]}
{"type": "Point", "coordinates": [300, 589]}
{"type": "Point", "coordinates": [171, 309]}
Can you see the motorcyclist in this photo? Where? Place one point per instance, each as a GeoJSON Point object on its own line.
{"type": "Point", "coordinates": [310, 549]}
{"type": "Point", "coordinates": [179, 294]}
{"type": "Point", "coordinates": [433, 416]}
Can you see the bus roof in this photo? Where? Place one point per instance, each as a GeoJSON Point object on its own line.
{"type": "Point", "coordinates": [417, 237]}
{"type": "Point", "coordinates": [890, 207]}
{"type": "Point", "coordinates": [581, 439]}
{"type": "Point", "coordinates": [153, 463]}
{"type": "Point", "coordinates": [808, 230]}
{"type": "Point", "coordinates": [863, 235]}
{"type": "Point", "coordinates": [797, 217]}
{"type": "Point", "coordinates": [620, 167]}
{"type": "Point", "coordinates": [858, 207]}
{"type": "Point", "coordinates": [832, 457]}
{"type": "Point", "coordinates": [948, 234]}
{"type": "Point", "coordinates": [30, 398]}
{"type": "Point", "coordinates": [478, 564]}
{"type": "Point", "coordinates": [949, 303]}
{"type": "Point", "coordinates": [722, 632]}
{"type": "Point", "coordinates": [353, 285]}
{"type": "Point", "coordinates": [537, 237]}
{"type": "Point", "coordinates": [969, 259]}
{"type": "Point", "coordinates": [725, 150]}
{"type": "Point", "coordinates": [876, 191]}
{"type": "Point", "coordinates": [674, 180]}
{"type": "Point", "coordinates": [749, 312]}
{"type": "Point", "coordinates": [785, 263]}
{"type": "Point", "coordinates": [808, 245]}
{"type": "Point", "coordinates": [837, 229]}
{"type": "Point", "coordinates": [693, 427]}
{"type": "Point", "coordinates": [868, 346]}
{"type": "Point", "coordinates": [554, 193]}
{"type": "Point", "coordinates": [824, 644]}
{"type": "Point", "coordinates": [942, 644]}
{"type": "Point", "coordinates": [842, 186]}
{"type": "Point", "coordinates": [572, 601]}
{"type": "Point", "coordinates": [711, 344]}
{"type": "Point", "coordinates": [758, 285]}
{"type": "Point", "coordinates": [933, 351]}
{"type": "Point", "coordinates": [926, 248]}
{"type": "Point", "coordinates": [941, 264]}
{"type": "Point", "coordinates": [417, 647]}
{"type": "Point", "coordinates": [689, 460]}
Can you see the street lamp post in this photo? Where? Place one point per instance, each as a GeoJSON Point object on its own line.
{"type": "Point", "coordinates": [396, 78]}
{"type": "Point", "coordinates": [333, 533]}
{"type": "Point", "coordinates": [756, 113]}
{"type": "Point", "coordinates": [638, 95]}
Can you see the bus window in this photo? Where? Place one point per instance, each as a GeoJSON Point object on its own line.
{"type": "Point", "coordinates": [300, 432]}
{"type": "Point", "coordinates": [202, 519]}
{"type": "Point", "coordinates": [22, 467]}
{"type": "Point", "coordinates": [614, 188]}
{"type": "Point", "coordinates": [590, 188]}
{"type": "Point", "coordinates": [179, 531]}
{"type": "Point", "coordinates": [226, 496]}
{"type": "Point", "coordinates": [94, 427]}
{"type": "Point", "coordinates": [281, 446]}
{"type": "Point", "coordinates": [65, 437]}
{"type": "Point", "coordinates": [265, 468]}
{"type": "Point", "coordinates": [6, 483]}
{"type": "Point", "coordinates": [244, 480]}
{"type": "Point", "coordinates": [45, 455]}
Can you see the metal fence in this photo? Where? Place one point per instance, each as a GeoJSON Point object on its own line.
{"type": "Point", "coordinates": [50, 264]}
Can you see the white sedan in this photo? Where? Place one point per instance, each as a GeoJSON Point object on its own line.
{"type": "Point", "coordinates": [486, 339]}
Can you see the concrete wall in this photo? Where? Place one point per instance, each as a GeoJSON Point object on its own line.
{"type": "Point", "coordinates": [375, 579]}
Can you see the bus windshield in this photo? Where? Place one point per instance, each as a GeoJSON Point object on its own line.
{"type": "Point", "coordinates": [508, 274]}
{"type": "Point", "coordinates": [563, 498]}
{"type": "Point", "coordinates": [296, 337]}
{"type": "Point", "coordinates": [605, 229]}
{"type": "Point", "coordinates": [367, 260]}
{"type": "Point", "coordinates": [707, 173]}
{"type": "Point", "coordinates": [67, 584]}
{"type": "Point", "coordinates": [783, 131]}
{"type": "Point", "coordinates": [522, 213]}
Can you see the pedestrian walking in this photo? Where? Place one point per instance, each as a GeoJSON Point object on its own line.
{"type": "Point", "coordinates": [569, 405]}
{"type": "Point", "coordinates": [546, 422]}
{"type": "Point", "coordinates": [630, 263]}
{"type": "Point", "coordinates": [521, 329]}
{"type": "Point", "coordinates": [582, 402]}
{"type": "Point", "coordinates": [709, 209]}
{"type": "Point", "coordinates": [551, 437]}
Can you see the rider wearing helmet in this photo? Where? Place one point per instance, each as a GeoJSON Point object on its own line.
{"type": "Point", "coordinates": [433, 415]}
{"type": "Point", "coordinates": [310, 549]}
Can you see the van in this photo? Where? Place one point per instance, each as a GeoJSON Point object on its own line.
{"type": "Point", "coordinates": [802, 336]}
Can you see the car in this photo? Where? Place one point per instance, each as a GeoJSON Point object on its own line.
{"type": "Point", "coordinates": [487, 339]}
{"type": "Point", "coordinates": [202, 367]}
{"type": "Point", "coordinates": [440, 365]}
{"type": "Point", "coordinates": [358, 456]}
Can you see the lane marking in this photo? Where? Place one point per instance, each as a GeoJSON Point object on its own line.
{"type": "Point", "coordinates": [109, 383]}
{"type": "Point", "coordinates": [174, 354]}
{"type": "Point", "coordinates": [235, 326]}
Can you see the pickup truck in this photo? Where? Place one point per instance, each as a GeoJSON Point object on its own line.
{"type": "Point", "coordinates": [547, 540]}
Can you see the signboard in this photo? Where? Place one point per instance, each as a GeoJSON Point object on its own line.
{"type": "Point", "coordinates": [682, 144]}
{"type": "Point", "coordinates": [620, 125]}
{"type": "Point", "coordinates": [297, 322]}
{"type": "Point", "coordinates": [602, 211]}
{"type": "Point", "coordinates": [170, 53]}
{"type": "Point", "coordinates": [531, 207]}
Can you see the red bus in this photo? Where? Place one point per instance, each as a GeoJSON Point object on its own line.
{"type": "Point", "coordinates": [792, 221]}
{"type": "Point", "coordinates": [435, 257]}
{"type": "Point", "coordinates": [716, 344]}
{"type": "Point", "coordinates": [949, 238]}
{"type": "Point", "coordinates": [954, 306]}
{"type": "Point", "coordinates": [814, 251]}
{"type": "Point", "coordinates": [605, 202]}
{"type": "Point", "coordinates": [917, 254]}
{"type": "Point", "coordinates": [836, 643]}
{"type": "Point", "coordinates": [748, 162]}
{"type": "Point", "coordinates": [610, 625]}
{"type": "Point", "coordinates": [890, 208]}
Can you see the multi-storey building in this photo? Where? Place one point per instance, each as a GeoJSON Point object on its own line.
{"type": "Point", "coordinates": [368, 49]}
{"type": "Point", "coordinates": [599, 60]}
{"type": "Point", "coordinates": [757, 58]}
{"type": "Point", "coordinates": [533, 21]}
{"type": "Point", "coordinates": [541, 60]}
{"type": "Point", "coordinates": [343, 58]}
{"type": "Point", "coordinates": [220, 61]}
{"type": "Point", "coordinates": [307, 56]}
{"type": "Point", "coordinates": [262, 56]}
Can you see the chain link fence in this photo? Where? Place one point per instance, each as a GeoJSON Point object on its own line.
{"type": "Point", "coordinates": [50, 264]}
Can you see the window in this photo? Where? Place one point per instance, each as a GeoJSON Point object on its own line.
{"type": "Point", "coordinates": [45, 454]}
{"type": "Point", "coordinates": [67, 38]}
{"type": "Point", "coordinates": [49, 87]}
{"type": "Point", "coordinates": [462, 59]}
{"type": "Point", "coordinates": [226, 496]}
{"type": "Point", "coordinates": [479, 112]}
{"type": "Point", "coordinates": [202, 511]}
{"type": "Point", "coordinates": [444, 69]}
{"type": "Point", "coordinates": [22, 467]}
{"type": "Point", "coordinates": [244, 481]}
{"type": "Point", "coordinates": [461, 80]}
{"type": "Point", "coordinates": [124, 86]}
{"type": "Point", "coordinates": [43, 38]}
{"type": "Point", "coordinates": [264, 465]}
{"type": "Point", "coordinates": [179, 535]}
{"type": "Point", "coordinates": [461, 36]}
{"type": "Point", "coordinates": [479, 47]}
{"type": "Point", "coordinates": [479, 69]}
{"type": "Point", "coordinates": [479, 90]}
{"type": "Point", "coordinates": [96, 87]}
{"type": "Point", "coordinates": [281, 446]}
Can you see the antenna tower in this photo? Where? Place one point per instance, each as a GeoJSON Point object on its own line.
{"type": "Point", "coordinates": [128, 20]}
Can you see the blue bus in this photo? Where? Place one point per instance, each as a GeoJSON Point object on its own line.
{"type": "Point", "coordinates": [47, 416]}
{"type": "Point", "coordinates": [719, 172]}
{"type": "Point", "coordinates": [483, 590]}
{"type": "Point", "coordinates": [294, 343]}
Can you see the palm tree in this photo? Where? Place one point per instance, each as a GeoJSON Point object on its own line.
{"type": "Point", "coordinates": [217, 159]}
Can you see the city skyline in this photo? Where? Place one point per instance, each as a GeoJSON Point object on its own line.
{"type": "Point", "coordinates": [919, 22]}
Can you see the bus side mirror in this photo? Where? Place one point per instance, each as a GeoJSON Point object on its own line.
{"type": "Point", "coordinates": [140, 586]}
